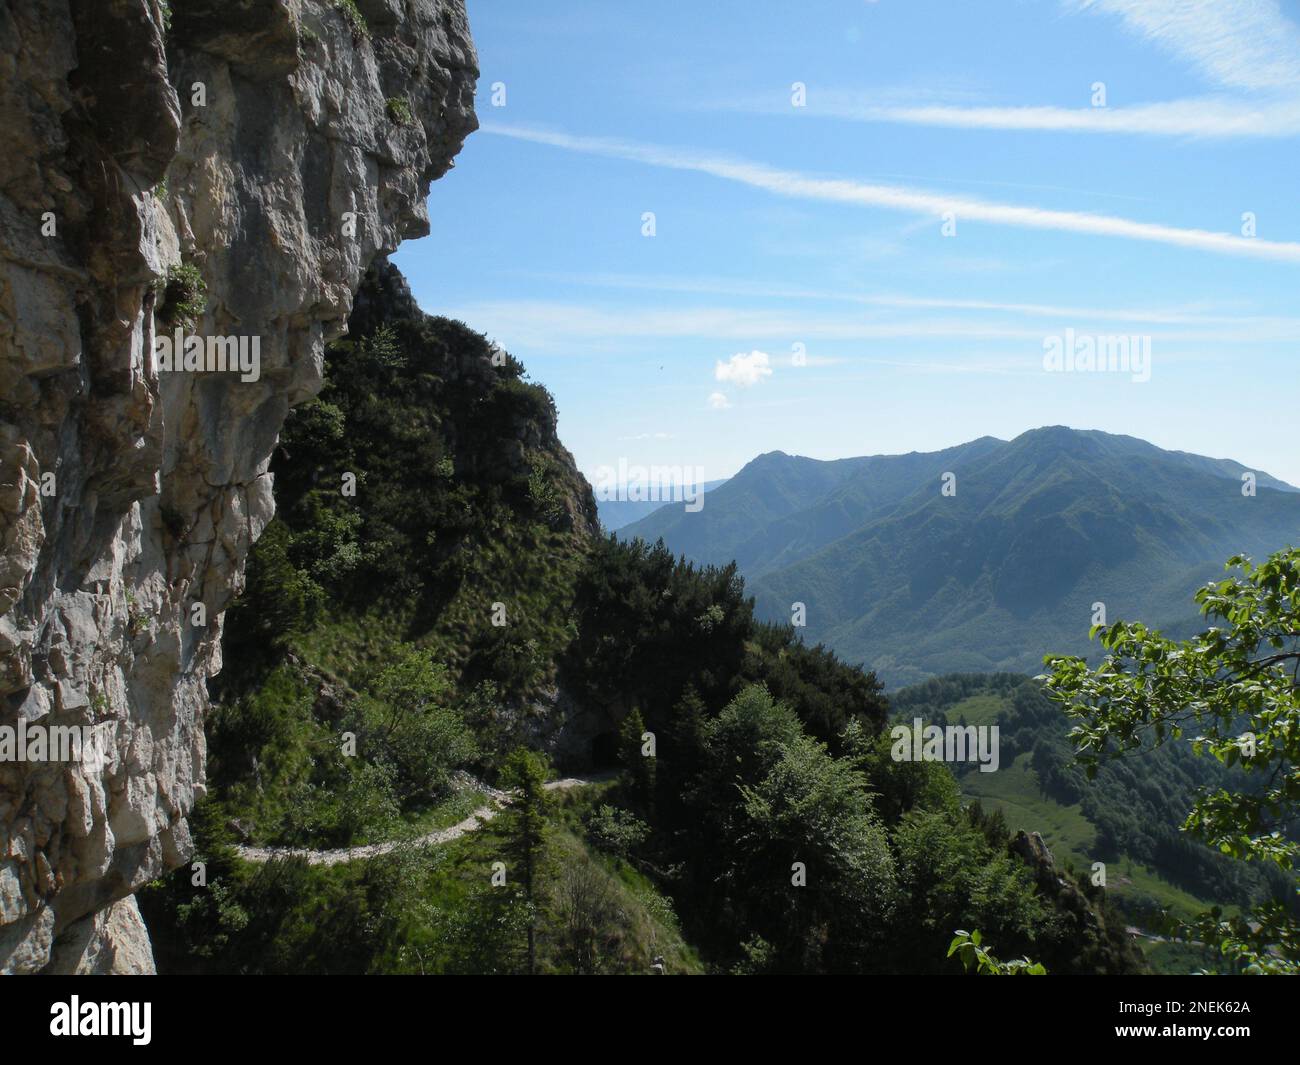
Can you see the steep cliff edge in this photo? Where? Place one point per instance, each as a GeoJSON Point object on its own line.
{"type": "Point", "coordinates": [266, 152]}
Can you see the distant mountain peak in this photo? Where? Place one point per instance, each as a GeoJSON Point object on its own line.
{"type": "Point", "coordinates": [914, 583]}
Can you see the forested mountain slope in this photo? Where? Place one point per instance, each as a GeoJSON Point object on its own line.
{"type": "Point", "coordinates": [1000, 569]}
{"type": "Point", "coordinates": [755, 813]}
{"type": "Point", "coordinates": [1129, 816]}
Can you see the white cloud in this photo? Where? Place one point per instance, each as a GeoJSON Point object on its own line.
{"type": "Point", "coordinates": [744, 370]}
{"type": "Point", "coordinates": [1175, 315]}
{"type": "Point", "coordinates": [1241, 44]}
{"type": "Point", "coordinates": [1208, 117]}
{"type": "Point", "coordinates": [717, 401]}
{"type": "Point", "coordinates": [1246, 46]}
{"type": "Point", "coordinates": [914, 201]}
{"type": "Point", "coordinates": [533, 323]}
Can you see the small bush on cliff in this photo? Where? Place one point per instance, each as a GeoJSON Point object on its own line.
{"type": "Point", "coordinates": [355, 19]}
{"type": "Point", "coordinates": [543, 492]}
{"type": "Point", "coordinates": [399, 110]}
{"type": "Point", "coordinates": [184, 296]}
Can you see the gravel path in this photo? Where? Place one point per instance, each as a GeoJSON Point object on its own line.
{"type": "Point", "coordinates": [473, 822]}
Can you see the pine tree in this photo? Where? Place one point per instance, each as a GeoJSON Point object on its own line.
{"type": "Point", "coordinates": [631, 752]}
{"type": "Point", "coordinates": [524, 825]}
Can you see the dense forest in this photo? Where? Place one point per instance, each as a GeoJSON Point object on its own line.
{"type": "Point", "coordinates": [434, 609]}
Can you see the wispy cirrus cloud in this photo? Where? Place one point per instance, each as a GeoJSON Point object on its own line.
{"type": "Point", "coordinates": [1206, 117]}
{"type": "Point", "coordinates": [720, 286]}
{"type": "Point", "coordinates": [899, 198]}
{"type": "Point", "coordinates": [1240, 44]}
{"type": "Point", "coordinates": [545, 323]}
{"type": "Point", "coordinates": [1247, 47]}
{"type": "Point", "coordinates": [562, 325]}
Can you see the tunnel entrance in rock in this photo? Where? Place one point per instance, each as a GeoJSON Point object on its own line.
{"type": "Point", "coordinates": [604, 751]}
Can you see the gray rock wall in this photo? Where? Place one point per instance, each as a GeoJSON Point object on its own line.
{"type": "Point", "coordinates": [129, 495]}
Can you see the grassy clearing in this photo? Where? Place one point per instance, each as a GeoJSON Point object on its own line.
{"type": "Point", "coordinates": [978, 710]}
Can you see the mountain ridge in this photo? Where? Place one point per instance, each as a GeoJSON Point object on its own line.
{"type": "Point", "coordinates": [1033, 533]}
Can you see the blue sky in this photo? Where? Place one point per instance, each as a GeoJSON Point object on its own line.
{"type": "Point", "coordinates": [821, 228]}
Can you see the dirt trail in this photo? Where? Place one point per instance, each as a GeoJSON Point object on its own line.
{"type": "Point", "coordinates": [472, 823]}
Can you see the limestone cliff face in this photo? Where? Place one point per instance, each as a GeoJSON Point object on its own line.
{"type": "Point", "coordinates": [277, 146]}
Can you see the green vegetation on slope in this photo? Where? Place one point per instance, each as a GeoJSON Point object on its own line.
{"type": "Point", "coordinates": [770, 767]}
{"type": "Point", "coordinates": [431, 599]}
{"type": "Point", "coordinates": [420, 910]}
{"type": "Point", "coordinates": [1129, 816]}
{"type": "Point", "coordinates": [422, 498]}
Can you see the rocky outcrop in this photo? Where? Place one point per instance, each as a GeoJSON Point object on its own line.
{"type": "Point", "coordinates": [1031, 849]}
{"type": "Point", "coordinates": [228, 167]}
{"type": "Point", "coordinates": [110, 942]}
{"type": "Point", "coordinates": [1090, 937]}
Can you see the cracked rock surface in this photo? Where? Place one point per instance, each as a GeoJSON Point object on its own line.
{"type": "Point", "coordinates": [254, 141]}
